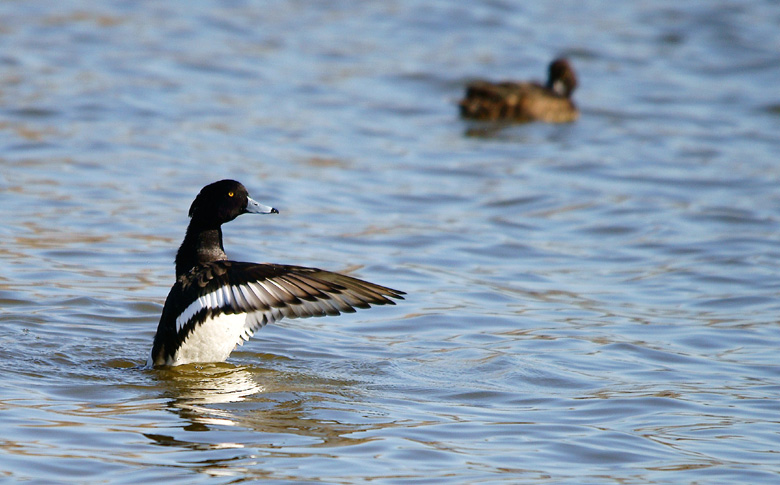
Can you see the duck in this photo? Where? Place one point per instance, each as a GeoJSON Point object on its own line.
{"type": "Point", "coordinates": [524, 101]}
{"type": "Point", "coordinates": [217, 303]}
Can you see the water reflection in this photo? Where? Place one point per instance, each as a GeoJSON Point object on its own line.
{"type": "Point", "coordinates": [276, 405]}
{"type": "Point", "coordinates": [192, 387]}
{"type": "Point", "coordinates": [208, 383]}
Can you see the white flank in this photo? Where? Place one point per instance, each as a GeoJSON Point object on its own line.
{"type": "Point", "coordinates": [213, 340]}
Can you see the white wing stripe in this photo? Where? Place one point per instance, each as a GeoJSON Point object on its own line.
{"type": "Point", "coordinates": [272, 291]}
{"type": "Point", "coordinates": [245, 297]}
{"type": "Point", "coordinates": [190, 311]}
{"type": "Point", "coordinates": [214, 300]}
{"type": "Point", "coordinates": [249, 296]}
{"type": "Point", "coordinates": [262, 293]}
{"type": "Point", "coordinates": [256, 293]}
{"type": "Point", "coordinates": [235, 296]}
{"type": "Point", "coordinates": [267, 301]}
{"type": "Point", "coordinates": [280, 290]}
{"type": "Point", "coordinates": [224, 295]}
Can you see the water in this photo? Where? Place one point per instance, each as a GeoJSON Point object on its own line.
{"type": "Point", "coordinates": [587, 303]}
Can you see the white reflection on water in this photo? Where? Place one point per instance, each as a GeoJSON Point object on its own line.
{"type": "Point", "coordinates": [191, 387]}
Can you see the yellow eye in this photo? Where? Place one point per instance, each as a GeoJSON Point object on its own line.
{"type": "Point", "coordinates": [230, 194]}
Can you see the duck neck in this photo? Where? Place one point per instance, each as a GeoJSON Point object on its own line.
{"type": "Point", "coordinates": [201, 245]}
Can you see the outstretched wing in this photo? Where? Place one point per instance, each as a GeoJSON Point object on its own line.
{"type": "Point", "coordinates": [264, 293]}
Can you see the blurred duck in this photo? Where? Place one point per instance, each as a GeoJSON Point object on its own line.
{"type": "Point", "coordinates": [524, 101]}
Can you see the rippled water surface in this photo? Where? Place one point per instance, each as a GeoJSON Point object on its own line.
{"type": "Point", "coordinates": [594, 302]}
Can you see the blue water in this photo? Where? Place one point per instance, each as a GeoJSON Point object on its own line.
{"type": "Point", "coordinates": [593, 302]}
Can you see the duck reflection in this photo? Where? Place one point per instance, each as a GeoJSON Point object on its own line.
{"type": "Point", "coordinates": [273, 404]}
{"type": "Point", "coordinates": [192, 387]}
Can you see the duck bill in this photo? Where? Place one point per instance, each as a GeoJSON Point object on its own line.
{"type": "Point", "coordinates": [255, 207]}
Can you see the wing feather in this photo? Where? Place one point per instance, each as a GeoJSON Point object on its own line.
{"type": "Point", "coordinates": [264, 292]}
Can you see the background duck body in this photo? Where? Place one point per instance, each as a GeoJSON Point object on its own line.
{"type": "Point", "coordinates": [524, 101]}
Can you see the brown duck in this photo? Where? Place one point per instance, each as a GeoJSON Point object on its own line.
{"type": "Point", "coordinates": [524, 101]}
